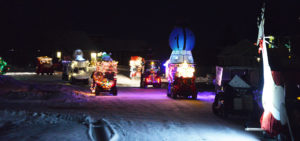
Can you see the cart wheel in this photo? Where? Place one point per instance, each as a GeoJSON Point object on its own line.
{"type": "Point", "coordinates": [194, 96]}
{"type": "Point", "coordinates": [64, 77]}
{"type": "Point", "coordinates": [218, 109]}
{"type": "Point", "coordinates": [157, 86]}
{"type": "Point", "coordinates": [214, 108]}
{"type": "Point", "coordinates": [72, 80]}
{"type": "Point", "coordinates": [223, 112]}
{"type": "Point", "coordinates": [169, 91]}
{"type": "Point", "coordinates": [173, 94]}
{"type": "Point", "coordinates": [114, 91]}
{"type": "Point", "coordinates": [143, 85]}
{"type": "Point", "coordinates": [97, 91]}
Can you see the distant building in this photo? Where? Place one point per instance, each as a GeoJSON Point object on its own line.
{"type": "Point", "coordinates": [244, 53]}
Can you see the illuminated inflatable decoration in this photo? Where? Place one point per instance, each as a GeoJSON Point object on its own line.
{"type": "Point", "coordinates": [182, 41]}
{"type": "Point", "coordinates": [76, 70]}
{"type": "Point", "coordinates": [78, 55]}
{"type": "Point", "coordinates": [136, 63]}
{"type": "Point", "coordinates": [273, 99]}
{"type": "Point", "coordinates": [180, 67]}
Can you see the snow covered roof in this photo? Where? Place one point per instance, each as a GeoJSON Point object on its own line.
{"type": "Point", "coordinates": [237, 82]}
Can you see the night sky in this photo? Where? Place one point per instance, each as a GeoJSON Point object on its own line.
{"type": "Point", "coordinates": [215, 23]}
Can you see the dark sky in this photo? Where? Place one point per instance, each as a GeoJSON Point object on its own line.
{"type": "Point", "coordinates": [215, 23]}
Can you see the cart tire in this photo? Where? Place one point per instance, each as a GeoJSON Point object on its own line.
{"type": "Point", "coordinates": [219, 111]}
{"type": "Point", "coordinates": [173, 94]}
{"type": "Point", "coordinates": [142, 85]}
{"type": "Point", "coordinates": [64, 77]}
{"type": "Point", "coordinates": [169, 91]}
{"type": "Point", "coordinates": [114, 91]}
{"type": "Point", "coordinates": [194, 96]}
{"type": "Point", "coordinates": [214, 109]}
{"type": "Point", "coordinates": [97, 90]}
{"type": "Point", "coordinates": [73, 80]}
{"type": "Point", "coordinates": [157, 85]}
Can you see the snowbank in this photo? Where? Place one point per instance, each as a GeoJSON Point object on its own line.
{"type": "Point", "coordinates": [53, 95]}
{"type": "Point", "coordinates": [42, 126]}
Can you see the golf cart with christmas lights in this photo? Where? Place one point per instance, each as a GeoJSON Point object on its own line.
{"type": "Point", "coordinates": [104, 77]}
{"type": "Point", "coordinates": [3, 66]}
{"type": "Point", "coordinates": [136, 63]}
{"type": "Point", "coordinates": [235, 89]}
{"type": "Point", "coordinates": [181, 68]}
{"type": "Point", "coordinates": [44, 65]}
{"type": "Point", "coordinates": [77, 70]}
{"type": "Point", "coordinates": [151, 74]}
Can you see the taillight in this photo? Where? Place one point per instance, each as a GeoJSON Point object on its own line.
{"type": "Point", "coordinates": [158, 80]}
{"type": "Point", "coordinates": [148, 79]}
{"type": "Point", "coordinates": [112, 83]}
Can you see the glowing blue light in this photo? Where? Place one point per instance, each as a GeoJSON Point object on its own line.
{"type": "Point", "coordinates": [182, 39]}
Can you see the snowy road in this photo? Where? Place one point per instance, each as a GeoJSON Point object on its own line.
{"type": "Point", "coordinates": [148, 114]}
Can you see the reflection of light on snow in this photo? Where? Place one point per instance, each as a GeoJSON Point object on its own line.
{"type": "Point", "coordinates": [190, 131]}
{"type": "Point", "coordinates": [206, 96]}
{"type": "Point", "coordinates": [20, 73]}
{"type": "Point", "coordinates": [213, 133]}
{"type": "Point", "coordinates": [125, 81]}
{"type": "Point", "coordinates": [84, 93]}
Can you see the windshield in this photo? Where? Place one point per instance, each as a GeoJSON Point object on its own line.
{"type": "Point", "coordinates": [151, 65]}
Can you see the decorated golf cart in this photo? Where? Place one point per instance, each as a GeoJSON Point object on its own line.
{"type": "Point", "coordinates": [151, 74]}
{"type": "Point", "coordinates": [235, 88]}
{"type": "Point", "coordinates": [44, 65]}
{"type": "Point", "coordinates": [76, 70]}
{"type": "Point", "coordinates": [181, 67]}
{"type": "Point", "coordinates": [104, 77]}
{"type": "Point", "coordinates": [135, 63]}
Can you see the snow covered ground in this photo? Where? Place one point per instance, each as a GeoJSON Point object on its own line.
{"type": "Point", "coordinates": [46, 108]}
{"type": "Point", "coordinates": [23, 125]}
